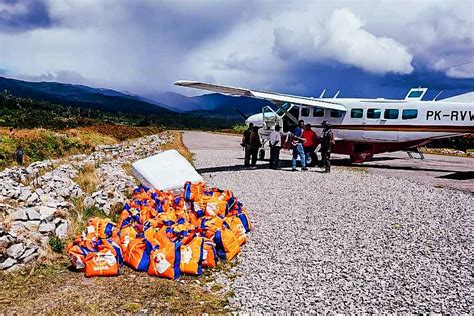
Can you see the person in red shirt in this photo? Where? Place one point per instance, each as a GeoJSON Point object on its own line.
{"type": "Point", "coordinates": [310, 145]}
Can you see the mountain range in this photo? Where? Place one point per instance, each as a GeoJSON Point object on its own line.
{"type": "Point", "coordinates": [109, 100]}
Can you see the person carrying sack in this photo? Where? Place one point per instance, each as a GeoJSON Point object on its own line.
{"type": "Point", "coordinates": [297, 145]}
{"type": "Point", "coordinates": [275, 147]}
{"type": "Point", "coordinates": [327, 141]}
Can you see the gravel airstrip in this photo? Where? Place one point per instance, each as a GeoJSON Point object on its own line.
{"type": "Point", "coordinates": [347, 241]}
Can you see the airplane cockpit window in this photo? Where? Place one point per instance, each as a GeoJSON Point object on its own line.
{"type": "Point", "coordinates": [415, 94]}
{"type": "Point", "coordinates": [374, 113]}
{"type": "Point", "coordinates": [336, 113]}
{"type": "Point", "coordinates": [391, 114]}
{"type": "Point", "coordinates": [409, 114]}
{"type": "Point", "coordinates": [305, 112]}
{"type": "Point", "coordinates": [357, 113]}
{"type": "Point", "coordinates": [318, 112]}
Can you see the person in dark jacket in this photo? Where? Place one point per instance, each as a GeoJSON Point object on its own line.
{"type": "Point", "coordinates": [19, 155]}
{"type": "Point", "coordinates": [246, 144]}
{"type": "Point", "coordinates": [327, 141]}
{"type": "Point", "coordinates": [255, 145]}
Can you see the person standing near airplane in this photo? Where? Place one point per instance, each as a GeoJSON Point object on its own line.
{"type": "Point", "coordinates": [246, 144]}
{"type": "Point", "coordinates": [297, 144]}
{"type": "Point", "coordinates": [327, 141]}
{"type": "Point", "coordinates": [275, 146]}
{"type": "Point", "coordinates": [309, 145]}
{"type": "Point", "coordinates": [255, 145]}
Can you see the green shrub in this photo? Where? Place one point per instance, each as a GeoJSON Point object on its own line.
{"type": "Point", "coordinates": [239, 128]}
{"type": "Point", "coordinates": [56, 244]}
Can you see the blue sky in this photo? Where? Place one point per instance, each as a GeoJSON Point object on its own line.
{"type": "Point", "coordinates": [363, 48]}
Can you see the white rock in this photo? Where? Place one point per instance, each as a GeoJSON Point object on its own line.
{"type": "Point", "coordinates": [45, 198]}
{"type": "Point", "coordinates": [16, 250]}
{"type": "Point", "coordinates": [4, 242]}
{"type": "Point", "coordinates": [32, 225]}
{"type": "Point", "coordinates": [47, 228]}
{"type": "Point", "coordinates": [88, 202]}
{"type": "Point", "coordinates": [33, 214]}
{"type": "Point", "coordinates": [27, 253]}
{"type": "Point", "coordinates": [19, 215]}
{"type": "Point", "coordinates": [7, 263]}
{"type": "Point", "coordinates": [30, 257]}
{"type": "Point", "coordinates": [33, 198]}
{"type": "Point", "coordinates": [46, 213]}
{"type": "Point", "coordinates": [25, 194]}
{"type": "Point", "coordinates": [61, 230]}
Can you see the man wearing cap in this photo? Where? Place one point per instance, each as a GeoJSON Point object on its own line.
{"type": "Point", "coordinates": [327, 141]}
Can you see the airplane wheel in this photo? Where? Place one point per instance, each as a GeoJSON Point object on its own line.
{"type": "Point", "coordinates": [261, 154]}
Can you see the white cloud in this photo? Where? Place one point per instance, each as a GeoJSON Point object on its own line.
{"type": "Point", "coordinates": [146, 45]}
{"type": "Point", "coordinates": [342, 38]}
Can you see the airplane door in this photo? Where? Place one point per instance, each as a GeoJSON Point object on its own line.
{"type": "Point", "coordinates": [377, 128]}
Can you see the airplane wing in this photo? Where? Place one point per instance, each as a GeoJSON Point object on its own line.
{"type": "Point", "coordinates": [273, 97]}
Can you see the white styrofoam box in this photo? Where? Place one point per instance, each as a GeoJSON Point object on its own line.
{"type": "Point", "coordinates": [167, 170]}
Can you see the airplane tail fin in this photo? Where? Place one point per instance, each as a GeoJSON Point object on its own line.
{"type": "Point", "coordinates": [461, 98]}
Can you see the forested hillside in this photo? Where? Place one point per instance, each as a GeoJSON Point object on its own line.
{"type": "Point", "coordinates": [31, 113]}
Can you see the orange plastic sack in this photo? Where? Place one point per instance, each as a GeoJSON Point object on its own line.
{"type": "Point", "coordinates": [99, 228]}
{"type": "Point", "coordinates": [238, 228]}
{"type": "Point", "coordinates": [209, 256]}
{"type": "Point", "coordinates": [101, 263]}
{"type": "Point", "coordinates": [147, 213]}
{"type": "Point", "coordinates": [127, 234]}
{"type": "Point", "coordinates": [211, 205]}
{"type": "Point", "coordinates": [227, 245]}
{"type": "Point", "coordinates": [137, 255]}
{"type": "Point", "coordinates": [77, 255]}
{"type": "Point", "coordinates": [210, 225]}
{"type": "Point", "coordinates": [191, 256]}
{"type": "Point", "coordinates": [164, 261]}
{"type": "Point", "coordinates": [193, 191]}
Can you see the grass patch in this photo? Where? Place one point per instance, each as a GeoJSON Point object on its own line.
{"type": "Point", "coordinates": [237, 129]}
{"type": "Point", "coordinates": [87, 178]}
{"type": "Point", "coordinates": [59, 291]}
{"type": "Point", "coordinates": [178, 144]}
{"type": "Point", "coordinates": [41, 144]}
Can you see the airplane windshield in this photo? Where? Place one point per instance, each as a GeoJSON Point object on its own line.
{"type": "Point", "coordinates": [282, 109]}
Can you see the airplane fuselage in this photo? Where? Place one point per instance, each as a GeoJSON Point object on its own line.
{"type": "Point", "coordinates": [362, 127]}
{"type": "Point", "coordinates": [371, 126]}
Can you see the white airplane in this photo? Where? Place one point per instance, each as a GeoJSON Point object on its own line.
{"type": "Point", "coordinates": [362, 127]}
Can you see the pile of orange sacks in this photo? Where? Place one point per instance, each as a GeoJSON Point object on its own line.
{"type": "Point", "coordinates": [164, 234]}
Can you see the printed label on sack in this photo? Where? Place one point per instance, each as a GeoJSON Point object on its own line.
{"type": "Point", "coordinates": [126, 241]}
{"type": "Point", "coordinates": [161, 263]}
{"type": "Point", "coordinates": [211, 209]}
{"type": "Point", "coordinates": [186, 255]}
{"type": "Point", "coordinates": [102, 260]}
{"type": "Point", "coordinates": [90, 230]}
{"type": "Point", "coordinates": [204, 254]}
{"type": "Point", "coordinates": [241, 229]}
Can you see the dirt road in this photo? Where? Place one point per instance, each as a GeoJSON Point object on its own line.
{"type": "Point", "coordinates": [356, 240]}
{"type": "Point", "coordinates": [437, 170]}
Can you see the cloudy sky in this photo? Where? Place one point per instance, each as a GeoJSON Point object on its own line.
{"type": "Point", "coordinates": [364, 47]}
